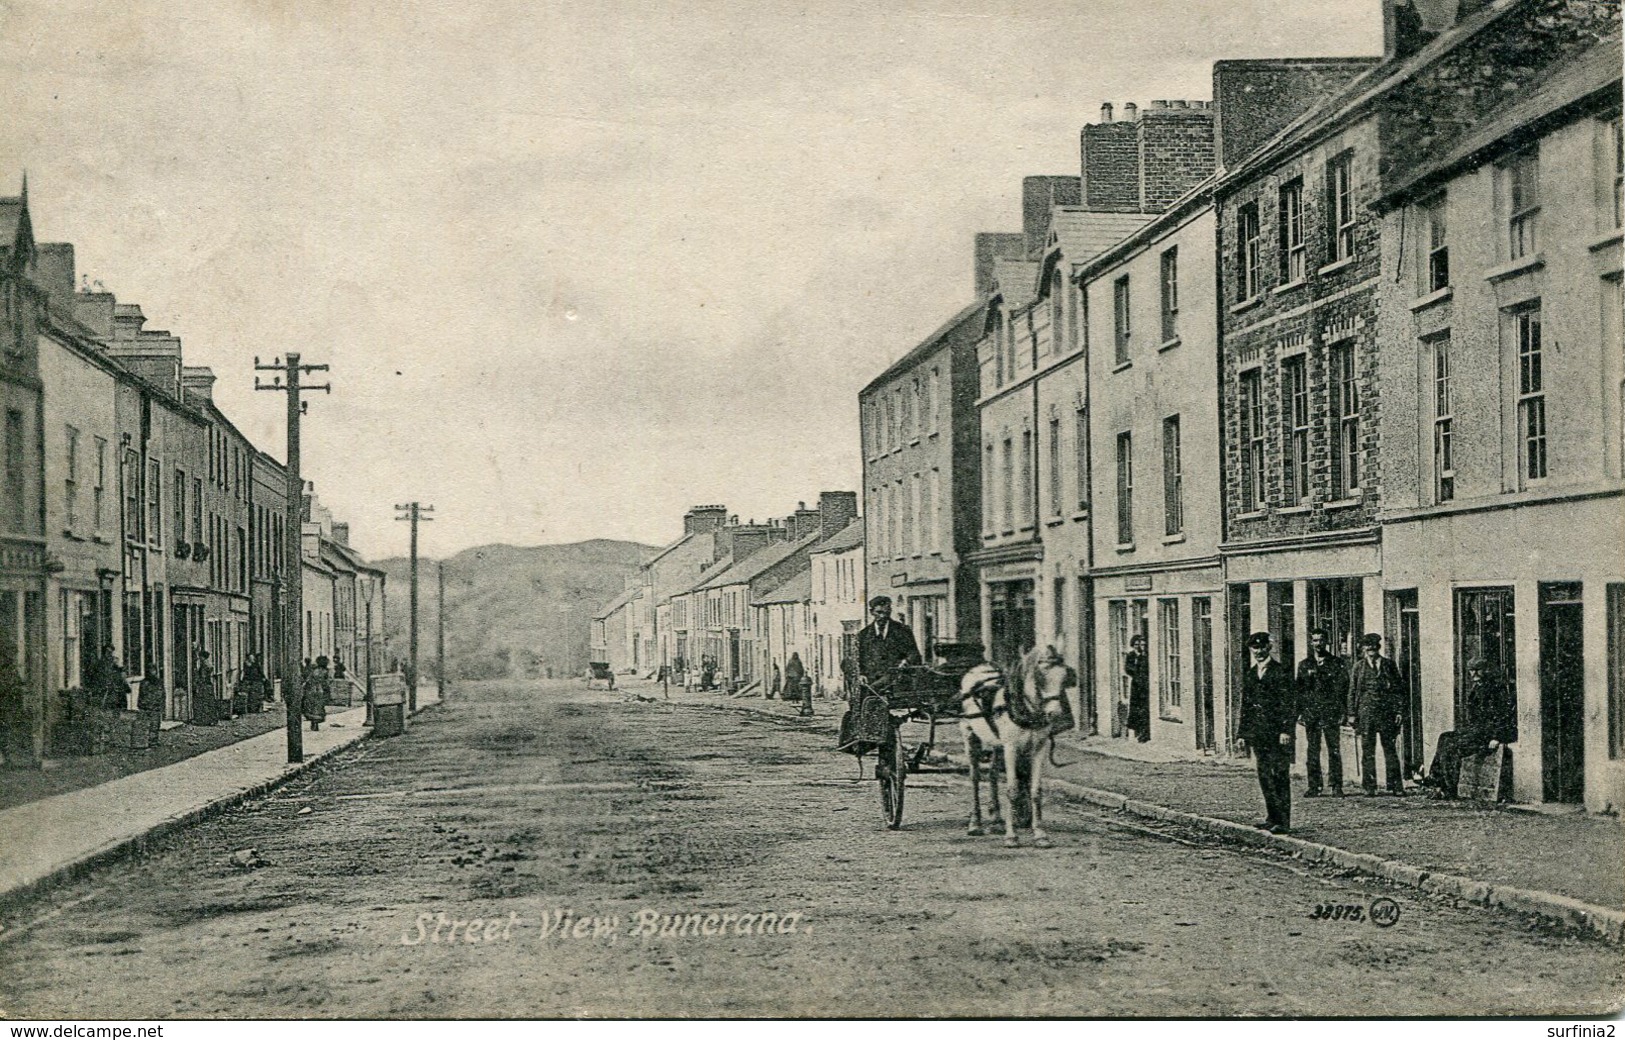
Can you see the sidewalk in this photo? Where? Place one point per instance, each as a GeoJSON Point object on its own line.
{"type": "Point", "coordinates": [1564, 867]}
{"type": "Point", "coordinates": [175, 744]}
{"type": "Point", "coordinates": [71, 832]}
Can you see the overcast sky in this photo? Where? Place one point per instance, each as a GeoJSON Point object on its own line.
{"type": "Point", "coordinates": [576, 266]}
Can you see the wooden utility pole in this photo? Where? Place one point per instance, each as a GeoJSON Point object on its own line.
{"type": "Point", "coordinates": [293, 601]}
{"type": "Point", "coordinates": [413, 512]}
{"type": "Point", "coordinates": [440, 640]}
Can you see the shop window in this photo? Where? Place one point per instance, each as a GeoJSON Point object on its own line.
{"type": "Point", "coordinates": [1170, 688]}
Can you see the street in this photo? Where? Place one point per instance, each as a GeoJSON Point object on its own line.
{"type": "Point", "coordinates": [536, 850]}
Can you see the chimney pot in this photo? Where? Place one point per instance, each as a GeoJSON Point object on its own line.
{"type": "Point", "coordinates": [1105, 111]}
{"type": "Point", "coordinates": [1131, 112]}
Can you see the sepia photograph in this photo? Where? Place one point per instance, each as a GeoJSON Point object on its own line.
{"type": "Point", "coordinates": [748, 509]}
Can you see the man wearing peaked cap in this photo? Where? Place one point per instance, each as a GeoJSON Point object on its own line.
{"type": "Point", "coordinates": [1269, 718]}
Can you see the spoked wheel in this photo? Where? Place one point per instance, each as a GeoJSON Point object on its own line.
{"type": "Point", "coordinates": [891, 770]}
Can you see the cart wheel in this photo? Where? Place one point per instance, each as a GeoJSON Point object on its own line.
{"type": "Point", "coordinates": [891, 770]}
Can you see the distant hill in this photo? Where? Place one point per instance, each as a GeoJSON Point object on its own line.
{"type": "Point", "coordinates": [510, 610]}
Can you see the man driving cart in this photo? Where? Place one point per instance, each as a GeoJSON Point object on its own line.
{"type": "Point", "coordinates": [885, 645]}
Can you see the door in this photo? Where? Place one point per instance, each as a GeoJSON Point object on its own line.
{"type": "Point", "coordinates": [1562, 694]}
{"type": "Point", "coordinates": [1202, 670]}
{"type": "Point", "coordinates": [1012, 621]}
{"type": "Point", "coordinates": [1404, 637]}
{"type": "Point", "coordinates": [1240, 613]}
{"type": "Point", "coordinates": [1089, 713]}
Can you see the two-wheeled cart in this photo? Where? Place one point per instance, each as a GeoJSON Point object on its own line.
{"type": "Point", "coordinates": [927, 695]}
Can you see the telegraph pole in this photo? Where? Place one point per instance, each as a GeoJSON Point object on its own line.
{"type": "Point", "coordinates": [293, 602]}
{"type": "Point", "coordinates": [414, 511]}
{"type": "Point", "coordinates": [440, 642]}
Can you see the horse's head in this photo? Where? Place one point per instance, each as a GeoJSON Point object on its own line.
{"type": "Point", "coordinates": [1043, 681]}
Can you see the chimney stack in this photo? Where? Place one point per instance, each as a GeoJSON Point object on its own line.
{"type": "Point", "coordinates": [199, 380]}
{"type": "Point", "coordinates": [702, 519]}
{"type": "Point", "coordinates": [1131, 111]}
{"type": "Point", "coordinates": [836, 509]}
{"type": "Point", "coordinates": [1105, 111]}
{"type": "Point", "coordinates": [341, 533]}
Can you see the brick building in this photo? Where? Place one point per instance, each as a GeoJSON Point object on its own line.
{"type": "Point", "coordinates": [1299, 259]}
{"type": "Point", "coordinates": [1502, 364]}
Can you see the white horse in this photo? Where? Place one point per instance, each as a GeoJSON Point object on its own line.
{"type": "Point", "coordinates": [1023, 722]}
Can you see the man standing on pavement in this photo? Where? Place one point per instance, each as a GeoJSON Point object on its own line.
{"type": "Point", "coordinates": [1268, 718]}
{"type": "Point", "coordinates": [883, 646]}
{"type": "Point", "coordinates": [1323, 685]}
{"type": "Point", "coordinates": [1377, 697]}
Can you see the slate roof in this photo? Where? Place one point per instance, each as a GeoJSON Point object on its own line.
{"type": "Point", "coordinates": [757, 562]}
{"type": "Point", "coordinates": [798, 589]}
{"type": "Point", "coordinates": [705, 575]}
{"type": "Point", "coordinates": [674, 545]}
{"type": "Point", "coordinates": [617, 603]}
{"type": "Point", "coordinates": [1596, 70]}
{"type": "Point", "coordinates": [1198, 196]}
{"type": "Point", "coordinates": [1081, 234]}
{"type": "Point", "coordinates": [929, 345]}
{"type": "Point", "coordinates": [1360, 91]}
{"type": "Point", "coordinates": [1017, 281]}
{"type": "Point", "coordinates": [848, 537]}
{"type": "Point", "coordinates": [333, 558]}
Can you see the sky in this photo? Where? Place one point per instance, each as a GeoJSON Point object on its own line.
{"type": "Point", "coordinates": [576, 266]}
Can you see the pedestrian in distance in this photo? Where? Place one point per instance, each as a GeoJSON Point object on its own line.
{"type": "Point", "coordinates": [774, 690]}
{"type": "Point", "coordinates": [1269, 720]}
{"type": "Point", "coordinates": [796, 685]}
{"type": "Point", "coordinates": [108, 688]}
{"type": "Point", "coordinates": [317, 690]}
{"type": "Point", "coordinates": [1323, 686]}
{"type": "Point", "coordinates": [1138, 671]}
{"type": "Point", "coordinates": [204, 695]}
{"type": "Point", "coordinates": [1377, 699]}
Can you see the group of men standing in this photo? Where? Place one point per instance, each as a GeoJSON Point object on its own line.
{"type": "Point", "coordinates": [1369, 695]}
{"type": "Point", "coordinates": [1325, 694]}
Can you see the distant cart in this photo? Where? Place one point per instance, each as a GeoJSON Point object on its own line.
{"type": "Point", "coordinates": [599, 672]}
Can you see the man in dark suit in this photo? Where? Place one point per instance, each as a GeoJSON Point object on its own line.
{"type": "Point", "coordinates": [883, 645]}
{"type": "Point", "coordinates": [1377, 698]}
{"type": "Point", "coordinates": [1269, 717]}
{"type": "Point", "coordinates": [1323, 683]}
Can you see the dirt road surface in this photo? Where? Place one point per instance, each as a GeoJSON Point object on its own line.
{"type": "Point", "coordinates": [530, 849]}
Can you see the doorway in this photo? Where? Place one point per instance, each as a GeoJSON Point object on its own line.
{"type": "Point", "coordinates": [1405, 638]}
{"type": "Point", "coordinates": [1202, 670]}
{"type": "Point", "coordinates": [1239, 611]}
{"type": "Point", "coordinates": [1562, 693]}
{"type": "Point", "coordinates": [1012, 616]}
